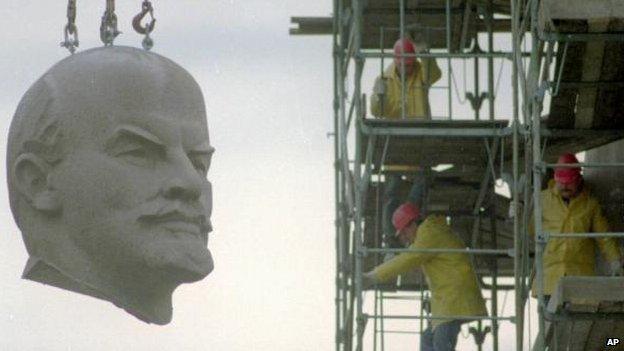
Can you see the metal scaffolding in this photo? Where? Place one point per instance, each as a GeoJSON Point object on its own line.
{"type": "Point", "coordinates": [515, 148]}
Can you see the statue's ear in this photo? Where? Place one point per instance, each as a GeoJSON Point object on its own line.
{"type": "Point", "coordinates": [31, 178]}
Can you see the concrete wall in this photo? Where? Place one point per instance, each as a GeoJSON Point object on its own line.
{"type": "Point", "coordinates": [608, 183]}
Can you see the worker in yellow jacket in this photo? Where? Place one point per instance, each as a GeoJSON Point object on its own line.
{"type": "Point", "coordinates": [568, 207]}
{"type": "Point", "coordinates": [386, 103]}
{"type": "Point", "coordinates": [419, 76]}
{"type": "Point", "coordinates": [450, 276]}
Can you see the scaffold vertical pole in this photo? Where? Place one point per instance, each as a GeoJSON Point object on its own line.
{"type": "Point", "coordinates": [494, 270]}
{"type": "Point", "coordinates": [537, 177]}
{"type": "Point", "coordinates": [336, 108]}
{"type": "Point", "coordinates": [383, 339]}
{"type": "Point", "coordinates": [476, 104]}
{"type": "Point", "coordinates": [376, 321]}
{"type": "Point", "coordinates": [490, 60]}
{"type": "Point", "coordinates": [357, 35]}
{"type": "Point", "coordinates": [518, 239]}
{"type": "Point", "coordinates": [490, 64]}
{"type": "Point", "coordinates": [343, 189]}
{"type": "Point", "coordinates": [402, 35]}
{"type": "Point", "coordinates": [449, 63]}
{"type": "Point", "coordinates": [381, 67]}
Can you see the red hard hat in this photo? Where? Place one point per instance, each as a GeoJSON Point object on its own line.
{"type": "Point", "coordinates": [404, 46]}
{"type": "Point", "coordinates": [404, 215]}
{"type": "Point", "coordinates": [567, 175]}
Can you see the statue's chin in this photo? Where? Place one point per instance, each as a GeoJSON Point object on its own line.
{"type": "Point", "coordinates": [195, 267]}
{"type": "Point", "coordinates": [137, 252]}
{"type": "Point", "coordinates": [184, 262]}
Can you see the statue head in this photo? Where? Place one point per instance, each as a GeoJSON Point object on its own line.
{"type": "Point", "coordinates": [107, 164]}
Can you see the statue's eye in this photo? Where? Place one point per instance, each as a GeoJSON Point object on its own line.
{"type": "Point", "coordinates": [137, 147]}
{"type": "Point", "coordinates": [141, 153]}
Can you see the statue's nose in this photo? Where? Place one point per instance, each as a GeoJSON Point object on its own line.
{"type": "Point", "coordinates": [185, 182]}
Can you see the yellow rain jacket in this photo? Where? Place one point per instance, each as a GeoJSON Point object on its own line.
{"type": "Point", "coordinates": [567, 256]}
{"type": "Point", "coordinates": [417, 85]}
{"type": "Point", "coordinates": [450, 276]}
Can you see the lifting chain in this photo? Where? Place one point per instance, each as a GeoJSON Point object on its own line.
{"type": "Point", "coordinates": [146, 9]}
{"type": "Point", "coordinates": [71, 31]}
{"type": "Point", "coordinates": [108, 29]}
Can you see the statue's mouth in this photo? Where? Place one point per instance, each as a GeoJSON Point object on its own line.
{"type": "Point", "coordinates": [180, 222]}
{"type": "Point", "coordinates": [182, 226]}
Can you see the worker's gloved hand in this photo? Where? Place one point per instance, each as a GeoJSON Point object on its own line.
{"type": "Point", "coordinates": [368, 280]}
{"type": "Point", "coordinates": [512, 209]}
{"type": "Point", "coordinates": [616, 268]}
{"type": "Point", "coordinates": [421, 46]}
{"type": "Point", "coordinates": [380, 86]}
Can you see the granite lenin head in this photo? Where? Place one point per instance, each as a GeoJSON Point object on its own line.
{"type": "Point", "coordinates": [107, 165]}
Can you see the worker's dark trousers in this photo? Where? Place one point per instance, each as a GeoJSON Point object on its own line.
{"type": "Point", "coordinates": [393, 199]}
{"type": "Point", "coordinates": [443, 338]}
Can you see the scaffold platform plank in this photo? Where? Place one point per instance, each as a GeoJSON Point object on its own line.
{"type": "Point", "coordinates": [591, 89]}
{"type": "Point", "coordinates": [553, 12]}
{"type": "Point", "coordinates": [576, 140]}
{"type": "Point", "coordinates": [430, 143]}
{"type": "Point", "coordinates": [442, 196]}
{"type": "Point", "coordinates": [587, 312]}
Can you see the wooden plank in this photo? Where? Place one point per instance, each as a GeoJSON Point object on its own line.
{"type": "Point", "coordinates": [571, 336]}
{"type": "Point", "coordinates": [581, 10]}
{"type": "Point", "coordinates": [610, 106]}
{"type": "Point", "coordinates": [416, 123]}
{"type": "Point", "coordinates": [606, 183]}
{"type": "Point", "coordinates": [500, 6]}
{"type": "Point", "coordinates": [586, 294]}
{"type": "Point", "coordinates": [601, 330]}
{"type": "Point", "coordinates": [587, 291]}
{"type": "Point", "coordinates": [601, 106]}
{"type": "Point", "coordinates": [592, 67]}
{"type": "Point", "coordinates": [557, 146]}
{"type": "Point", "coordinates": [428, 151]}
{"type": "Point", "coordinates": [563, 106]}
{"type": "Point", "coordinates": [554, 13]}
{"type": "Point", "coordinates": [581, 335]}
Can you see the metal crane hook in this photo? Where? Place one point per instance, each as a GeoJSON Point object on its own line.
{"type": "Point", "coordinates": [146, 8]}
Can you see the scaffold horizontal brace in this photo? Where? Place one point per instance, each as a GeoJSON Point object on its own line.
{"type": "Point", "coordinates": [397, 332]}
{"type": "Point", "coordinates": [572, 133]}
{"type": "Point", "coordinates": [580, 37]}
{"type": "Point", "coordinates": [586, 235]}
{"type": "Point", "coordinates": [437, 132]}
{"type": "Point", "coordinates": [581, 164]}
{"type": "Point", "coordinates": [465, 55]}
{"type": "Point", "coordinates": [366, 251]}
{"type": "Point", "coordinates": [466, 318]}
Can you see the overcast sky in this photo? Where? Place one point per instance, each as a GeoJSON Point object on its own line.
{"type": "Point", "coordinates": [268, 98]}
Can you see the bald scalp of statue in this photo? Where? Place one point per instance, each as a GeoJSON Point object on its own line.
{"type": "Point", "coordinates": [39, 130]}
{"type": "Point", "coordinates": [37, 126]}
{"type": "Point", "coordinates": [84, 96]}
